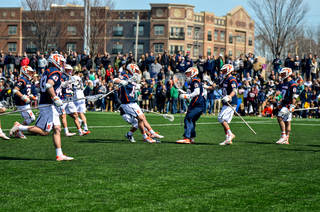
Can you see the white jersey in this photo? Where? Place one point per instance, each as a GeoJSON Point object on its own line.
{"type": "Point", "coordinates": [78, 88]}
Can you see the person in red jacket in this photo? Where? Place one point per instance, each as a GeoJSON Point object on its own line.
{"type": "Point", "coordinates": [267, 112]}
{"type": "Point", "coordinates": [109, 72]}
{"type": "Point", "coordinates": [25, 60]}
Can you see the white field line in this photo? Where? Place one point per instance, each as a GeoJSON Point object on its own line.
{"type": "Point", "coordinates": [206, 123]}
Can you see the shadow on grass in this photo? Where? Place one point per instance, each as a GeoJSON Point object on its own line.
{"type": "Point", "coordinates": [313, 145]}
{"type": "Point", "coordinates": [122, 141]}
{"type": "Point", "coordinates": [300, 150]}
{"type": "Point", "coordinates": [256, 142]}
{"type": "Point", "coordinates": [13, 158]}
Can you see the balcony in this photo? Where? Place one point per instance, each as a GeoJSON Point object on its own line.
{"type": "Point", "coordinates": [209, 38]}
{"type": "Point", "coordinates": [115, 51]}
{"type": "Point", "coordinates": [177, 36]}
{"type": "Point", "coordinates": [117, 33]}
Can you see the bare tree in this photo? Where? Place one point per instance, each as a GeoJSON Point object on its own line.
{"type": "Point", "coordinates": [278, 21]}
{"type": "Point", "coordinates": [101, 23]}
{"type": "Point", "coordinates": [43, 25]}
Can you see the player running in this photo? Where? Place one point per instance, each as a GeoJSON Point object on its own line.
{"type": "Point", "coordinates": [22, 94]}
{"type": "Point", "coordinates": [196, 106]}
{"type": "Point", "coordinates": [129, 105]}
{"type": "Point", "coordinates": [289, 92]}
{"type": "Point", "coordinates": [70, 108]}
{"type": "Point", "coordinates": [229, 87]}
{"type": "Point", "coordinates": [50, 87]}
{"type": "Point", "coordinates": [80, 104]}
{"type": "Point", "coordinates": [2, 110]}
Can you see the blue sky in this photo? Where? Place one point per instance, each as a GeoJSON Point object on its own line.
{"type": "Point", "coordinates": [216, 6]}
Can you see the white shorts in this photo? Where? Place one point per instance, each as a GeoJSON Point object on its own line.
{"type": "Point", "coordinates": [132, 109]}
{"type": "Point", "coordinates": [48, 118]}
{"type": "Point", "coordinates": [226, 114]}
{"type": "Point", "coordinates": [287, 117]}
{"type": "Point", "coordinates": [69, 107]}
{"type": "Point", "coordinates": [130, 120]}
{"type": "Point", "coordinates": [81, 106]}
{"type": "Point", "coordinates": [27, 114]}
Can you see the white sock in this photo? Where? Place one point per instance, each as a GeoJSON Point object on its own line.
{"type": "Point", "coordinates": [229, 131]}
{"type": "Point", "coordinates": [1, 130]}
{"type": "Point", "coordinates": [66, 130]}
{"type": "Point", "coordinates": [283, 134]}
{"type": "Point", "coordinates": [151, 131]}
{"type": "Point", "coordinates": [23, 128]}
{"type": "Point", "coordinates": [130, 133]}
{"type": "Point", "coordinates": [59, 151]}
{"type": "Point", "coordinates": [85, 127]}
{"type": "Point", "coordinates": [144, 135]}
{"type": "Point", "coordinates": [79, 120]}
{"type": "Point", "coordinates": [80, 130]}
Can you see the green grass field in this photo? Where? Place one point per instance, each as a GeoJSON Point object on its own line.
{"type": "Point", "coordinates": [109, 173]}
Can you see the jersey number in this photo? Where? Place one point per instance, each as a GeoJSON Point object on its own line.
{"type": "Point", "coordinates": [43, 82]}
{"type": "Point", "coordinates": [224, 92]}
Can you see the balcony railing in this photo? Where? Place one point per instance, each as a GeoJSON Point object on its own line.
{"type": "Point", "coordinates": [177, 36]}
{"type": "Point", "coordinates": [115, 51]}
{"type": "Point", "coordinates": [117, 33]}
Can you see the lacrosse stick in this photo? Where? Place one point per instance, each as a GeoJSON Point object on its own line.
{"type": "Point", "coordinates": [312, 108]}
{"type": "Point", "coordinates": [88, 98]}
{"type": "Point", "coordinates": [178, 82]}
{"type": "Point", "coordinates": [170, 117]}
{"type": "Point", "coordinates": [207, 78]}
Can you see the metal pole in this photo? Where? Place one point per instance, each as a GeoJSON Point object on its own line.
{"type": "Point", "coordinates": [137, 36]}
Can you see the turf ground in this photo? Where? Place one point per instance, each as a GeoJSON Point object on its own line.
{"type": "Point", "coordinates": [109, 173]}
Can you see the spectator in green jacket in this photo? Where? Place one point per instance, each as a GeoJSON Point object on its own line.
{"type": "Point", "coordinates": [174, 94]}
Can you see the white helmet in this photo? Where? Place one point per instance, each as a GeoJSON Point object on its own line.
{"type": "Point", "coordinates": [226, 70]}
{"type": "Point", "coordinates": [68, 68]}
{"type": "Point", "coordinates": [194, 72]}
{"type": "Point", "coordinates": [58, 61]}
{"type": "Point", "coordinates": [27, 71]}
{"type": "Point", "coordinates": [285, 73]}
{"type": "Point", "coordinates": [133, 68]}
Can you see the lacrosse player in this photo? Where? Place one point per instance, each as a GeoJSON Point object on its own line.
{"type": "Point", "coordinates": [80, 104]}
{"type": "Point", "coordinates": [290, 93]}
{"type": "Point", "coordinates": [2, 110]}
{"type": "Point", "coordinates": [70, 108]}
{"type": "Point", "coordinates": [129, 105]}
{"type": "Point", "coordinates": [229, 88]}
{"type": "Point", "coordinates": [196, 107]}
{"type": "Point", "coordinates": [22, 95]}
{"type": "Point", "coordinates": [50, 88]}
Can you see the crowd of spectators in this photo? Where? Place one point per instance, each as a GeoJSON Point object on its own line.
{"type": "Point", "coordinates": [259, 96]}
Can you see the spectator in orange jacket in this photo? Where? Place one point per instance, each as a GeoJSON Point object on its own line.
{"type": "Point", "coordinates": [267, 112]}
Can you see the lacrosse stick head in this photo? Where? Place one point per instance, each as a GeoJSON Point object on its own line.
{"type": "Point", "coordinates": [170, 117]}
{"type": "Point", "coordinates": [208, 79]}
{"type": "Point", "coordinates": [178, 80]}
{"type": "Point", "coordinates": [93, 98]}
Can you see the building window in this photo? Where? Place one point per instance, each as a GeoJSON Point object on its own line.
{"type": "Point", "coordinates": [117, 30]}
{"type": "Point", "coordinates": [196, 50]}
{"type": "Point", "coordinates": [159, 30]}
{"type": "Point", "coordinates": [215, 35]}
{"type": "Point", "coordinates": [230, 38]}
{"type": "Point", "coordinates": [71, 30]}
{"type": "Point", "coordinates": [71, 46]}
{"type": "Point", "coordinates": [33, 30]}
{"type": "Point", "coordinates": [222, 52]}
{"type": "Point", "coordinates": [209, 51]}
{"type": "Point", "coordinates": [209, 36]}
{"type": "Point", "coordinates": [230, 53]}
{"type": "Point", "coordinates": [222, 36]}
{"type": "Point", "coordinates": [196, 32]}
{"type": "Point", "coordinates": [117, 48]}
{"type": "Point", "coordinates": [238, 53]}
{"type": "Point", "coordinates": [243, 39]}
{"type": "Point", "coordinates": [215, 51]}
{"type": "Point", "coordinates": [53, 30]}
{"type": "Point", "coordinates": [12, 47]}
{"type": "Point", "coordinates": [12, 30]}
{"type": "Point", "coordinates": [176, 49]}
{"type": "Point", "coordinates": [176, 31]}
{"type": "Point", "coordinates": [51, 47]}
{"type": "Point", "coordinates": [158, 48]}
{"type": "Point", "coordinates": [141, 30]}
{"type": "Point", "coordinates": [250, 41]}
{"type": "Point", "coordinates": [189, 31]}
{"type": "Point", "coordinates": [239, 38]}
{"type": "Point", "coordinates": [189, 47]}
{"type": "Point", "coordinates": [31, 48]}
{"type": "Point", "coordinates": [140, 48]}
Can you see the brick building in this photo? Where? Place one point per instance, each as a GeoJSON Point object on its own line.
{"type": "Point", "coordinates": [171, 27]}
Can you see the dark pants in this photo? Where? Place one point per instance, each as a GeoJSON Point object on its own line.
{"type": "Point", "coordinates": [192, 116]}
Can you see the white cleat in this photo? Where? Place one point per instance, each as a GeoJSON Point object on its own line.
{"type": "Point", "coordinates": [63, 157]}
{"type": "Point", "coordinates": [14, 129]}
{"type": "Point", "coordinates": [149, 140]}
{"type": "Point", "coordinates": [228, 140]}
{"type": "Point", "coordinates": [129, 137]}
{"type": "Point", "coordinates": [283, 140]}
{"type": "Point", "coordinates": [2, 135]}
{"type": "Point", "coordinates": [20, 134]}
{"type": "Point", "coordinates": [83, 133]}
{"type": "Point", "coordinates": [156, 135]}
{"type": "Point", "coordinates": [69, 134]}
